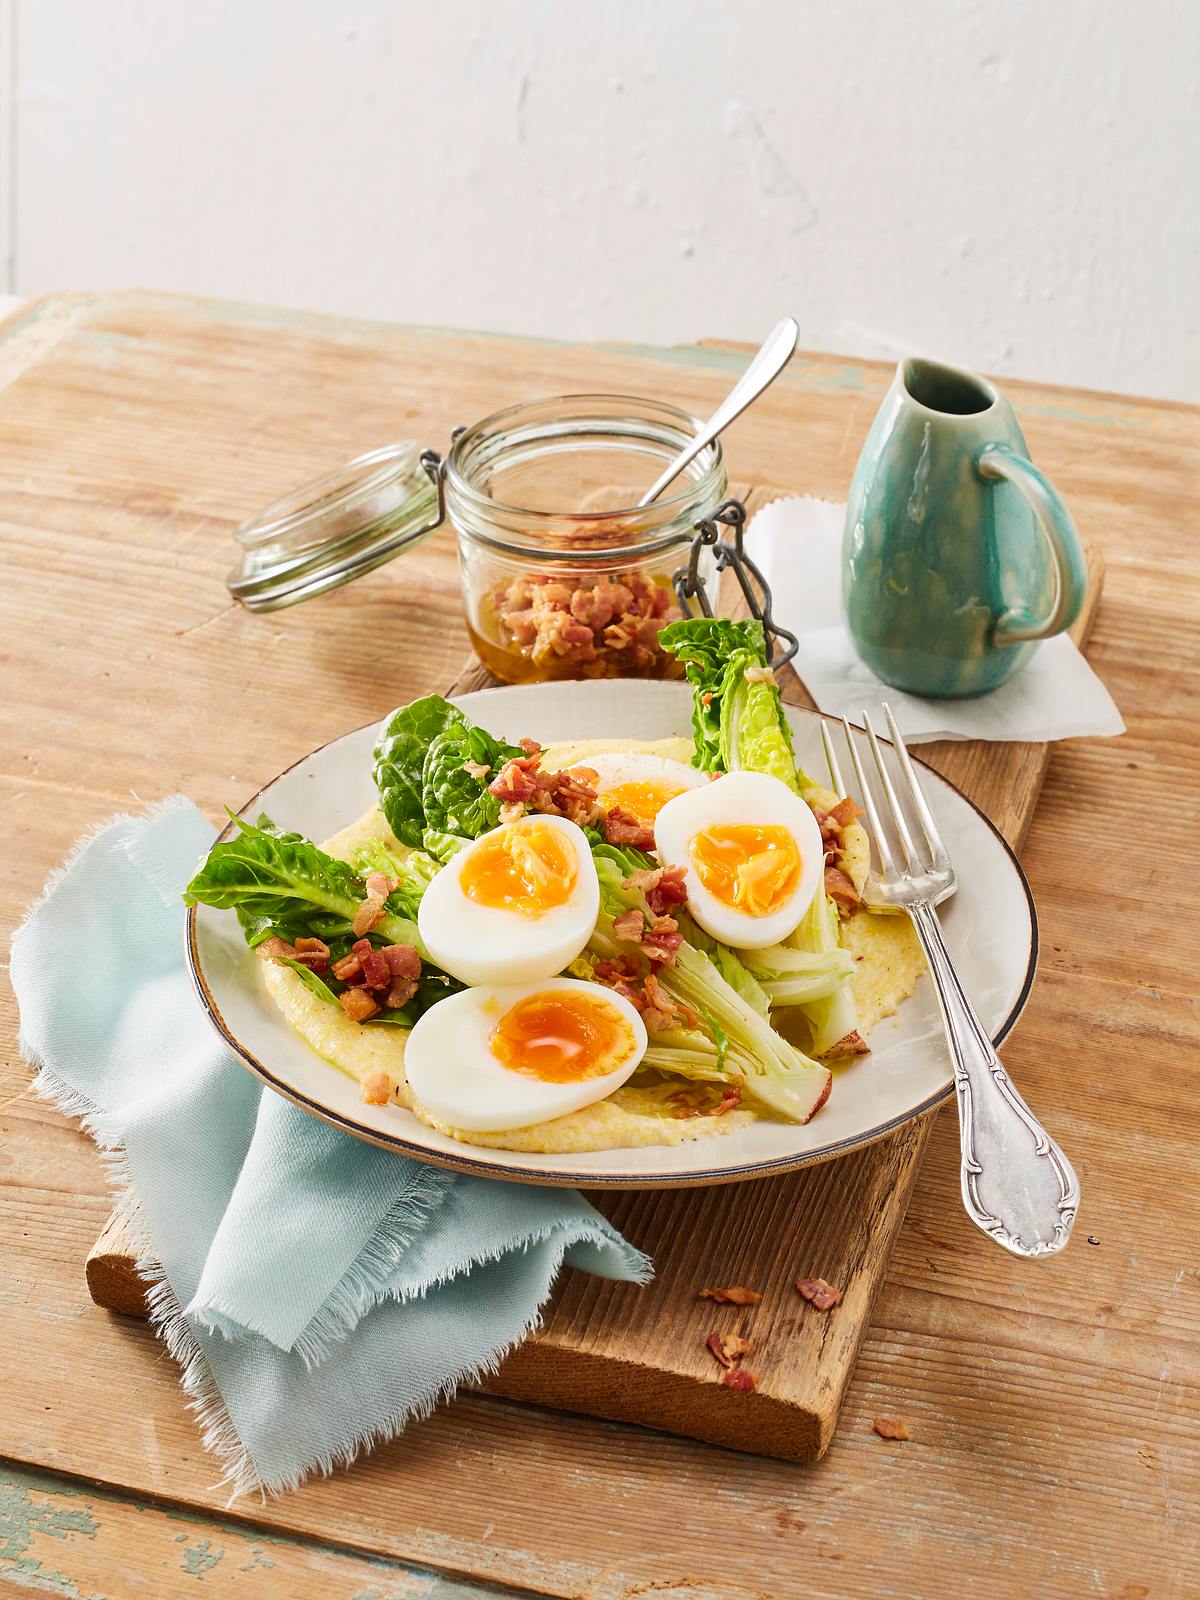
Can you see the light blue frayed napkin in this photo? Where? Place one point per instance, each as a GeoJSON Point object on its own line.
{"type": "Point", "coordinates": [317, 1292]}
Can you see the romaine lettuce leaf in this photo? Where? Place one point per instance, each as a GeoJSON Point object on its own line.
{"type": "Point", "coordinates": [452, 799]}
{"type": "Point", "coordinates": [400, 753]}
{"type": "Point", "coordinates": [281, 883]}
{"type": "Point", "coordinates": [739, 724]}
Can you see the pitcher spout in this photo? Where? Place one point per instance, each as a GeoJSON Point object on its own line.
{"type": "Point", "coordinates": [945, 391]}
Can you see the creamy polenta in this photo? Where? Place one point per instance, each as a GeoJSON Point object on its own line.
{"type": "Point", "coordinates": [888, 964]}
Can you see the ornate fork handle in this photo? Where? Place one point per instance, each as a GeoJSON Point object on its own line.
{"type": "Point", "coordinates": [1016, 1183]}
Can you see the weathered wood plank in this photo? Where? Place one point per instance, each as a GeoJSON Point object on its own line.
{"type": "Point", "coordinates": [62, 1537]}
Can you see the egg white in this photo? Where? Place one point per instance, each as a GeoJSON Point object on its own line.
{"type": "Point", "coordinates": [742, 798]}
{"type": "Point", "coordinates": [617, 767]}
{"type": "Point", "coordinates": [489, 944]}
{"type": "Point", "coordinates": [457, 1080]}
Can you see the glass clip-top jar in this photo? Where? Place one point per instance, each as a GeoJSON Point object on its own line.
{"type": "Point", "coordinates": [548, 592]}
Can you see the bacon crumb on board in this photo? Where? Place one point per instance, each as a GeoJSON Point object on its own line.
{"type": "Point", "coordinates": [728, 1348]}
{"type": "Point", "coordinates": [734, 1295]}
{"type": "Point", "coordinates": [891, 1428]}
{"type": "Point", "coordinates": [739, 1378]}
{"type": "Point", "coordinates": [818, 1293]}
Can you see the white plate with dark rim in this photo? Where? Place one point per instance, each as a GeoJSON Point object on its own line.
{"type": "Point", "coordinates": [990, 926]}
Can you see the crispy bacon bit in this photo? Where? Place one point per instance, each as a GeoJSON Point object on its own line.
{"type": "Point", "coordinates": [850, 1044]}
{"type": "Point", "coordinates": [739, 1378]}
{"type": "Point", "coordinates": [727, 1349]}
{"type": "Point", "coordinates": [734, 1295]}
{"type": "Point", "coordinates": [730, 1099]}
{"type": "Point", "coordinates": [521, 783]}
{"type": "Point", "coordinates": [368, 915]}
{"type": "Point", "coordinates": [358, 1004]}
{"type": "Point", "coordinates": [840, 888]}
{"type": "Point", "coordinates": [661, 941]}
{"type": "Point", "coordinates": [376, 1088]}
{"type": "Point", "coordinates": [313, 954]}
{"type": "Point", "coordinates": [663, 887]}
{"type": "Point", "coordinates": [530, 746]}
{"type": "Point", "coordinates": [274, 949]}
{"type": "Point", "coordinates": [716, 1344]}
{"type": "Point", "coordinates": [759, 675]}
{"type": "Point", "coordinates": [818, 1293]}
{"type": "Point", "coordinates": [348, 969]}
{"type": "Point", "coordinates": [402, 959]}
{"type": "Point", "coordinates": [694, 1102]}
{"type": "Point", "coordinates": [379, 885]}
{"type": "Point", "coordinates": [400, 993]}
{"type": "Point", "coordinates": [592, 629]}
{"type": "Point", "coordinates": [376, 974]}
{"type": "Point", "coordinates": [697, 1100]}
{"type": "Point", "coordinates": [476, 769]}
{"type": "Point", "coordinates": [706, 699]}
{"type": "Point", "coordinates": [891, 1428]}
{"type": "Point", "coordinates": [515, 780]}
{"type": "Point", "coordinates": [621, 975]}
{"type": "Point", "coordinates": [846, 812]}
{"type": "Point", "coordinates": [621, 827]}
{"type": "Point", "coordinates": [657, 996]}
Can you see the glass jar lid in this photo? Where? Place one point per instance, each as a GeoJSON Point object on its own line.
{"type": "Point", "coordinates": [337, 527]}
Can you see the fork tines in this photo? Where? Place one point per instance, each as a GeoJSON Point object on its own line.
{"type": "Point", "coordinates": [934, 856]}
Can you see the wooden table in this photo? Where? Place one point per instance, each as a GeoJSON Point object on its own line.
{"type": "Point", "coordinates": [1053, 1410]}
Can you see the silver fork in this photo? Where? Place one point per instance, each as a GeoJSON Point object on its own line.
{"type": "Point", "coordinates": [1016, 1183]}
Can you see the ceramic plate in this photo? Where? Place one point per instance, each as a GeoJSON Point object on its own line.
{"type": "Point", "coordinates": [989, 924]}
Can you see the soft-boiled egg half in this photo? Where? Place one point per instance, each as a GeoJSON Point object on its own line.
{"type": "Point", "coordinates": [517, 905]}
{"type": "Point", "coordinates": [640, 783]}
{"type": "Point", "coordinates": [500, 1057]}
{"type": "Point", "coordinates": [753, 855]}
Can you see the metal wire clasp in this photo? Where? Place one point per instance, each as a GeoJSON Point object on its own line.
{"type": "Point", "coordinates": [754, 587]}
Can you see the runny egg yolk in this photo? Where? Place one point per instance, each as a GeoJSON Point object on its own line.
{"type": "Point", "coordinates": [642, 799]}
{"type": "Point", "coordinates": [562, 1037]}
{"type": "Point", "coordinates": [527, 867]}
{"type": "Point", "coordinates": [750, 867]}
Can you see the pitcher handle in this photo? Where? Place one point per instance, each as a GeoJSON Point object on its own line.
{"type": "Point", "coordinates": [998, 461]}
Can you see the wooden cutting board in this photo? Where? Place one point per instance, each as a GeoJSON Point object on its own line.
{"type": "Point", "coordinates": [639, 1354]}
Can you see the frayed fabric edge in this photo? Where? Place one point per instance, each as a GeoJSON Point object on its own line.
{"type": "Point", "coordinates": [362, 1286]}
{"type": "Point", "coordinates": [218, 1433]}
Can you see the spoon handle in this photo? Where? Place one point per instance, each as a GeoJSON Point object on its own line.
{"type": "Point", "coordinates": [766, 366]}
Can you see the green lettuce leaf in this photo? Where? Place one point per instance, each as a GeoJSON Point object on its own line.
{"type": "Point", "coordinates": [281, 883]}
{"type": "Point", "coordinates": [452, 799]}
{"type": "Point", "coordinates": [737, 724]}
{"type": "Point", "coordinates": [415, 869]}
{"type": "Point", "coordinates": [400, 751]}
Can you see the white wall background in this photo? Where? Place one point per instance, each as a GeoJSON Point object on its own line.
{"type": "Point", "coordinates": [1007, 183]}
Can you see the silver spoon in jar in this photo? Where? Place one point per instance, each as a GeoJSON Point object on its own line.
{"type": "Point", "coordinates": [770, 361]}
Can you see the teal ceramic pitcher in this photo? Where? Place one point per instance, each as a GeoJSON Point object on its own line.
{"type": "Point", "coordinates": [958, 554]}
